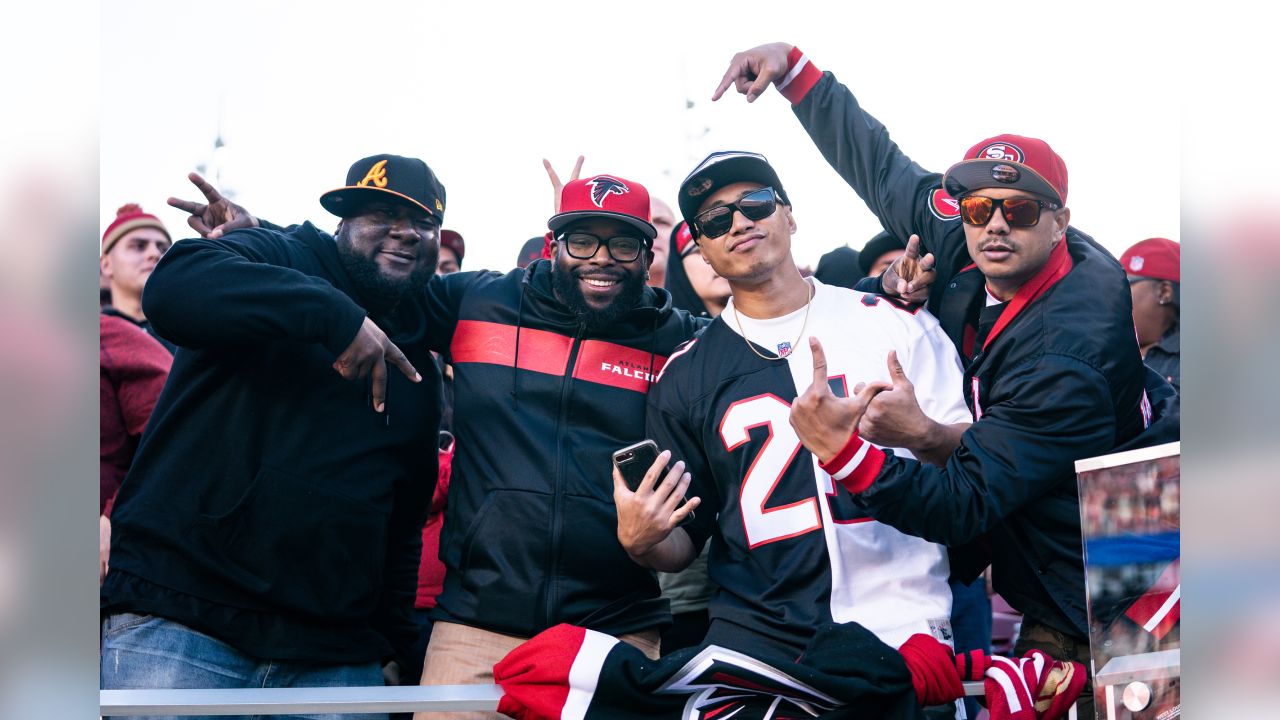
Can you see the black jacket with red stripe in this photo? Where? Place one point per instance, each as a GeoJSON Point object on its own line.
{"type": "Point", "coordinates": [1058, 378]}
{"type": "Point", "coordinates": [530, 534]}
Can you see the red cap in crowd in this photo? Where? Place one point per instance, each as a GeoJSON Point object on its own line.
{"type": "Point", "coordinates": [606, 196]}
{"type": "Point", "coordinates": [129, 217]}
{"type": "Point", "coordinates": [682, 237]}
{"type": "Point", "coordinates": [453, 240]}
{"type": "Point", "coordinates": [1011, 161]}
{"type": "Point", "coordinates": [1158, 258]}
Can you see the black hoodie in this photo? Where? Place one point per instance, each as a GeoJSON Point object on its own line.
{"type": "Point", "coordinates": [530, 533]}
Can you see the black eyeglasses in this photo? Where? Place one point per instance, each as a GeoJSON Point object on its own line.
{"type": "Point", "coordinates": [1018, 212]}
{"type": "Point", "coordinates": [755, 205]}
{"type": "Point", "coordinates": [584, 246]}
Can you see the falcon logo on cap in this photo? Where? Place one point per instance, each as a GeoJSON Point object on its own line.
{"type": "Point", "coordinates": [1002, 151]}
{"type": "Point", "coordinates": [604, 186]}
{"type": "Point", "coordinates": [377, 175]}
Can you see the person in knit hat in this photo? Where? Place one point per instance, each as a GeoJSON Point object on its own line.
{"type": "Point", "coordinates": [131, 246]}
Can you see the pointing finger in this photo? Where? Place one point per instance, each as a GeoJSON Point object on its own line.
{"type": "Point", "coordinates": [187, 206]}
{"type": "Point", "coordinates": [896, 373]}
{"type": "Point", "coordinates": [210, 192]}
{"type": "Point", "coordinates": [819, 363]}
{"type": "Point", "coordinates": [397, 358]}
{"type": "Point", "coordinates": [913, 247]}
{"type": "Point", "coordinates": [379, 385]}
{"type": "Point", "coordinates": [735, 69]}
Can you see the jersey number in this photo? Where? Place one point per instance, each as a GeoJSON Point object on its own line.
{"type": "Point", "coordinates": [765, 525]}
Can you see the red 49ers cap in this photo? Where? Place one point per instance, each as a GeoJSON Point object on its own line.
{"type": "Point", "coordinates": [1158, 258]}
{"type": "Point", "coordinates": [1011, 161]}
{"type": "Point", "coordinates": [605, 196]}
{"type": "Point", "coordinates": [383, 177]}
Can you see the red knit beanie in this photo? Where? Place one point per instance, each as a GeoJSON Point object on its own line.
{"type": "Point", "coordinates": [130, 217]}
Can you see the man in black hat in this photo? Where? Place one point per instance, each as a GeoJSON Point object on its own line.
{"type": "Point", "coordinates": [267, 534]}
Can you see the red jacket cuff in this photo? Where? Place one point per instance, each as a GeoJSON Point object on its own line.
{"type": "Point", "coordinates": [856, 465]}
{"type": "Point", "coordinates": [801, 76]}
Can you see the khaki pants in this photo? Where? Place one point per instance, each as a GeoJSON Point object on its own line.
{"type": "Point", "coordinates": [1059, 646]}
{"type": "Point", "coordinates": [464, 655]}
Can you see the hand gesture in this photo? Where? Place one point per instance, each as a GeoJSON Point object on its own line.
{"type": "Point", "coordinates": [894, 417]}
{"type": "Point", "coordinates": [557, 187]}
{"type": "Point", "coordinates": [368, 354]}
{"type": "Point", "coordinates": [217, 216]}
{"type": "Point", "coordinates": [648, 515]}
{"type": "Point", "coordinates": [752, 70]}
{"type": "Point", "coordinates": [910, 276]}
{"type": "Point", "coordinates": [823, 421]}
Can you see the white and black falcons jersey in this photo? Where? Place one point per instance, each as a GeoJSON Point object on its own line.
{"type": "Point", "coordinates": [792, 550]}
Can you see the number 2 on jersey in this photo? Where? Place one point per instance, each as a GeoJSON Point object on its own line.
{"type": "Point", "coordinates": [765, 525]}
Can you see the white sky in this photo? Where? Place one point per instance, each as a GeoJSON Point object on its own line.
{"type": "Point", "coordinates": [483, 92]}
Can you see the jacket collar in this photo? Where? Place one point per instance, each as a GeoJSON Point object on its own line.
{"type": "Point", "coordinates": [1057, 267]}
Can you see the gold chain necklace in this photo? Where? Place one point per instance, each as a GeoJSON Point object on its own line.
{"type": "Point", "coordinates": [750, 346]}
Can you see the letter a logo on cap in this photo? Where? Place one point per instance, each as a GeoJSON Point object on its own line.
{"type": "Point", "coordinates": [604, 186]}
{"type": "Point", "coordinates": [376, 176]}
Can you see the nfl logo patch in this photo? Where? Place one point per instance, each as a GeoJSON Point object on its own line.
{"type": "Point", "coordinates": [784, 349]}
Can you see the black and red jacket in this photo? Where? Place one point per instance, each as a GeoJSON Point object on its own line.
{"type": "Point", "coordinates": [540, 405]}
{"type": "Point", "coordinates": [1058, 378]}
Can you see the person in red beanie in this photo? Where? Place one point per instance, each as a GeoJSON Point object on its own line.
{"type": "Point", "coordinates": [1154, 269]}
{"type": "Point", "coordinates": [131, 246]}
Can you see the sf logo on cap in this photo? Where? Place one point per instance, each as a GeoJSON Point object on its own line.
{"type": "Point", "coordinates": [377, 175]}
{"type": "Point", "coordinates": [604, 186]}
{"type": "Point", "coordinates": [1001, 151]}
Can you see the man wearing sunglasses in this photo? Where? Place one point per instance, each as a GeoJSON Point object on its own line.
{"type": "Point", "coordinates": [1039, 312]}
{"type": "Point", "coordinates": [791, 554]}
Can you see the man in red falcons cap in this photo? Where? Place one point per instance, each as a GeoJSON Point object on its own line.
{"type": "Point", "coordinates": [552, 365]}
{"type": "Point", "coordinates": [1039, 312]}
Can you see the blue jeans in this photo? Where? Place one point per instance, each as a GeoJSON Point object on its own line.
{"type": "Point", "coordinates": [971, 623]}
{"type": "Point", "coordinates": [147, 651]}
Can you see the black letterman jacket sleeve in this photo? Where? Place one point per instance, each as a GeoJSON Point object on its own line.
{"type": "Point", "coordinates": [858, 147]}
{"type": "Point", "coordinates": [245, 288]}
{"type": "Point", "coordinates": [1037, 420]}
{"type": "Point", "coordinates": [669, 423]}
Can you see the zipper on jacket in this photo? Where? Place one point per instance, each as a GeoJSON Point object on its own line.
{"type": "Point", "coordinates": [562, 419]}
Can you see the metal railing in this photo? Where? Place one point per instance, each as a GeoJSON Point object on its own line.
{"type": "Point", "coordinates": [339, 700]}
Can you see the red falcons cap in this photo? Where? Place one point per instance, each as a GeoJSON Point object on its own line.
{"type": "Point", "coordinates": [605, 196]}
{"type": "Point", "coordinates": [1011, 161]}
{"type": "Point", "coordinates": [452, 239]}
{"type": "Point", "coordinates": [682, 237]}
{"type": "Point", "coordinates": [1158, 258]}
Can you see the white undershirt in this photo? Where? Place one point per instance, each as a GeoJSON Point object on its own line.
{"type": "Point", "coordinates": [772, 334]}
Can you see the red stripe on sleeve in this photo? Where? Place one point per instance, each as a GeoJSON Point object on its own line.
{"type": "Point", "coordinates": [475, 341]}
{"type": "Point", "coordinates": [801, 82]}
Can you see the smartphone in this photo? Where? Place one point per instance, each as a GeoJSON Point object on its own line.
{"type": "Point", "coordinates": [633, 461]}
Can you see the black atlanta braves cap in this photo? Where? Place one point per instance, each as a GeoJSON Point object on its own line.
{"type": "Point", "coordinates": [383, 177]}
{"type": "Point", "coordinates": [726, 167]}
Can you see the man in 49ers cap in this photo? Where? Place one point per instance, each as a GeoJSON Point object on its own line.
{"type": "Point", "coordinates": [1039, 312]}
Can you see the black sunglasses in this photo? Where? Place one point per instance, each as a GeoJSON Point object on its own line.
{"type": "Point", "coordinates": [583, 246]}
{"type": "Point", "coordinates": [1018, 212]}
{"type": "Point", "coordinates": [755, 205]}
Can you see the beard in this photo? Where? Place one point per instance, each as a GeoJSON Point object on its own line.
{"type": "Point", "coordinates": [380, 293]}
{"type": "Point", "coordinates": [565, 284]}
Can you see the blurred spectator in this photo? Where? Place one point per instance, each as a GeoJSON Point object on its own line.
{"type": "Point", "coordinates": [693, 285]}
{"type": "Point", "coordinates": [530, 251]}
{"type": "Point", "coordinates": [452, 248]}
{"type": "Point", "coordinates": [840, 267]}
{"type": "Point", "coordinates": [132, 368]}
{"type": "Point", "coordinates": [879, 253]}
{"type": "Point", "coordinates": [1154, 269]}
{"type": "Point", "coordinates": [132, 245]}
{"type": "Point", "coordinates": [664, 221]}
